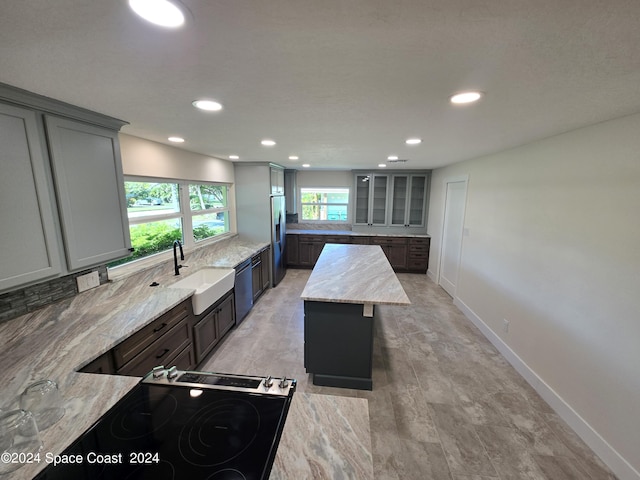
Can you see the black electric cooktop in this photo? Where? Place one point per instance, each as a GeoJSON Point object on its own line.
{"type": "Point", "coordinates": [168, 431]}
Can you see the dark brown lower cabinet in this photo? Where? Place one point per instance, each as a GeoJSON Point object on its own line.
{"type": "Point", "coordinates": [405, 254]}
{"type": "Point", "coordinates": [212, 325]}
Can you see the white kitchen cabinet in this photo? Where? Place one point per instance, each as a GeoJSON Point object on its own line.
{"type": "Point", "coordinates": [87, 172]}
{"type": "Point", "coordinates": [371, 199]}
{"type": "Point", "coordinates": [277, 181]}
{"type": "Point", "coordinates": [408, 199]}
{"type": "Point", "coordinates": [28, 235]}
{"type": "Point", "coordinates": [62, 200]}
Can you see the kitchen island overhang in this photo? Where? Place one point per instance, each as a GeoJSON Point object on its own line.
{"type": "Point", "coordinates": [346, 284]}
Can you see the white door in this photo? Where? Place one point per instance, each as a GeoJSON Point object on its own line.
{"type": "Point", "coordinates": [455, 197]}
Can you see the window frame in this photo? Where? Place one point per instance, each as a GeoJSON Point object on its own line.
{"type": "Point", "coordinates": [184, 215]}
{"type": "Point", "coordinates": [321, 204]}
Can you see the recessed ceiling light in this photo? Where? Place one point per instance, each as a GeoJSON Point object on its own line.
{"type": "Point", "coordinates": [176, 139]}
{"type": "Point", "coordinates": [306, 165]}
{"type": "Point", "coordinates": [293, 157]}
{"type": "Point", "coordinates": [268, 143]}
{"type": "Point", "coordinates": [413, 141]}
{"type": "Point", "coordinates": [392, 157]}
{"type": "Point", "coordinates": [159, 12]}
{"type": "Point", "coordinates": [465, 97]}
{"type": "Point", "coordinates": [382, 165]}
{"type": "Point", "coordinates": [234, 157]}
{"type": "Point", "coordinates": [207, 105]}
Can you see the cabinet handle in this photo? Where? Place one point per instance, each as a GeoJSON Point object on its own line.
{"type": "Point", "coordinates": [164, 352]}
{"type": "Point", "coordinates": [156, 330]}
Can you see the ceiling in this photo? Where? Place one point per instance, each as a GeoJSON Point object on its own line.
{"type": "Point", "coordinates": [339, 83]}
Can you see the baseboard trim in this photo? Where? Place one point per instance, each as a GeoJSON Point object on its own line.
{"type": "Point", "coordinates": [621, 467]}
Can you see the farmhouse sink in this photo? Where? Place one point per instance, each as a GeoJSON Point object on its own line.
{"type": "Point", "coordinates": [210, 285]}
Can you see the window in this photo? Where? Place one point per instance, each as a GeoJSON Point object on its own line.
{"type": "Point", "coordinates": [324, 204]}
{"type": "Point", "coordinates": [161, 212]}
{"type": "Point", "coordinates": [209, 210]}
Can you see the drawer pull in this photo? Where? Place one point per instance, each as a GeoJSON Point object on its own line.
{"type": "Point", "coordinates": [164, 352]}
{"type": "Point", "coordinates": [156, 330]}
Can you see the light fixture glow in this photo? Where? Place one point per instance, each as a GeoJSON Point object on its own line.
{"type": "Point", "coordinates": [176, 139]}
{"type": "Point", "coordinates": [158, 12]}
{"type": "Point", "coordinates": [306, 165]}
{"type": "Point", "coordinates": [195, 392]}
{"type": "Point", "coordinates": [413, 141]}
{"type": "Point", "coordinates": [207, 105]}
{"type": "Point", "coordinates": [268, 143]}
{"type": "Point", "coordinates": [382, 165]}
{"type": "Point", "coordinates": [465, 97]}
{"type": "Point", "coordinates": [392, 157]}
{"type": "Point", "coordinates": [234, 157]}
{"type": "Point", "coordinates": [293, 157]}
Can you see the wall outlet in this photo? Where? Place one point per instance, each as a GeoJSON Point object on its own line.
{"type": "Point", "coordinates": [505, 325]}
{"type": "Point", "coordinates": [85, 282]}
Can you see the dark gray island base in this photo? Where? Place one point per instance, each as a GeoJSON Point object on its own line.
{"type": "Point", "coordinates": [339, 304]}
{"type": "Point", "coordinates": [338, 345]}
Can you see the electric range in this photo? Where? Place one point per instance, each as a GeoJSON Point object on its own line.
{"type": "Point", "coordinates": [183, 424]}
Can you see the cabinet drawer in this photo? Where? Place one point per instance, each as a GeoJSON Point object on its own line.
{"type": "Point", "coordinates": [419, 248]}
{"type": "Point", "coordinates": [418, 255]}
{"type": "Point", "coordinates": [137, 342]}
{"type": "Point", "coordinates": [184, 360]}
{"type": "Point", "coordinates": [159, 352]}
{"type": "Point", "coordinates": [312, 238]}
{"type": "Point", "coordinates": [418, 265]}
{"type": "Point", "coordinates": [359, 240]}
{"type": "Point", "coordinates": [388, 240]}
{"type": "Point", "coordinates": [419, 241]}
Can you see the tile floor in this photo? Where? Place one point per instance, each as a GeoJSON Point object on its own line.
{"type": "Point", "coordinates": [445, 404]}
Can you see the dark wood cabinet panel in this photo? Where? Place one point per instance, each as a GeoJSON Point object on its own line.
{"type": "Point", "coordinates": [256, 276]}
{"type": "Point", "coordinates": [405, 254]}
{"type": "Point", "coordinates": [102, 365]}
{"type": "Point", "coordinates": [265, 259]}
{"type": "Point", "coordinates": [291, 250]}
{"type": "Point", "coordinates": [133, 346]}
{"type": "Point", "coordinates": [205, 335]}
{"type": "Point", "coordinates": [159, 352]}
{"type": "Point", "coordinates": [226, 316]}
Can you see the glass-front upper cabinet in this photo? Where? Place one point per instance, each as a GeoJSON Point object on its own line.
{"type": "Point", "coordinates": [371, 199]}
{"type": "Point", "coordinates": [408, 200]}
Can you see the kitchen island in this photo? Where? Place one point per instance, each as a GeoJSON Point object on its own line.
{"type": "Point", "coordinates": [339, 309]}
{"type": "Point", "coordinates": [58, 340]}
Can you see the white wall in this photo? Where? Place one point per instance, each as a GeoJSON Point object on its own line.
{"type": "Point", "coordinates": [553, 246]}
{"type": "Point", "coordinates": [146, 158]}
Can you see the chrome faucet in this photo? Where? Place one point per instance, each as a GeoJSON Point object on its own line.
{"type": "Point", "coordinates": [175, 256]}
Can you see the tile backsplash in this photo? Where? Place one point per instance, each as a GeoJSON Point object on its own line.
{"type": "Point", "coordinates": [27, 299]}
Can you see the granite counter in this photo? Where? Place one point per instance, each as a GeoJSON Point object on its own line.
{"type": "Point", "coordinates": [56, 341]}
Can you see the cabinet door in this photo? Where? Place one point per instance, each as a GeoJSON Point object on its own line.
{"type": "Point", "coordinates": [304, 252]}
{"type": "Point", "coordinates": [226, 316]}
{"type": "Point", "coordinates": [205, 335]}
{"type": "Point", "coordinates": [379, 200]}
{"type": "Point", "coordinates": [417, 197]}
{"type": "Point", "coordinates": [277, 181]}
{"type": "Point", "coordinates": [264, 266]}
{"type": "Point", "coordinates": [363, 183]}
{"type": "Point", "coordinates": [25, 202]}
{"type": "Point", "coordinates": [292, 250]}
{"type": "Point", "coordinates": [87, 172]}
{"type": "Point", "coordinates": [256, 278]}
{"type": "Point", "coordinates": [400, 190]}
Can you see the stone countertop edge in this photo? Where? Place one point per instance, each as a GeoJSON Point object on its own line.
{"type": "Point", "coordinates": [295, 231]}
{"type": "Point", "coordinates": [325, 437]}
{"type": "Point", "coordinates": [358, 274]}
{"type": "Point", "coordinates": [54, 342]}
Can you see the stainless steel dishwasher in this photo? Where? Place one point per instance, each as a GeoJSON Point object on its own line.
{"type": "Point", "coordinates": [243, 290]}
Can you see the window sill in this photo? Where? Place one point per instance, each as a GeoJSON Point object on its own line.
{"type": "Point", "coordinates": [137, 266]}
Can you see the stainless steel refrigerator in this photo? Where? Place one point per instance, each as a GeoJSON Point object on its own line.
{"type": "Point", "coordinates": [278, 238]}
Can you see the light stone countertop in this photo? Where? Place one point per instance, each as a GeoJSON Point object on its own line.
{"type": "Point", "coordinates": [54, 342]}
{"type": "Point", "coordinates": [359, 274]}
{"type": "Point", "coordinates": [296, 231]}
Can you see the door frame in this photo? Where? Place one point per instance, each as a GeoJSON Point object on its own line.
{"type": "Point", "coordinates": [452, 179]}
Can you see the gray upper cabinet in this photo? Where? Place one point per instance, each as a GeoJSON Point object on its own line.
{"type": "Point", "coordinates": [277, 181]}
{"type": "Point", "coordinates": [408, 199]}
{"type": "Point", "coordinates": [28, 230]}
{"type": "Point", "coordinates": [371, 199]}
{"type": "Point", "coordinates": [87, 173]}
